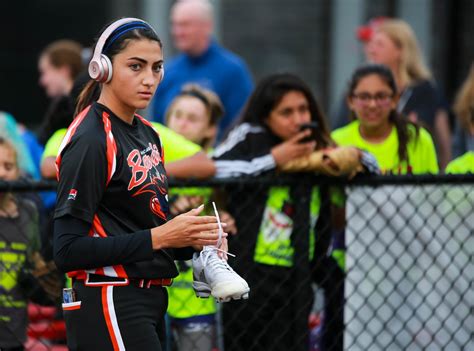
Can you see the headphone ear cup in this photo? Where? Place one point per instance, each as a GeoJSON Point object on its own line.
{"type": "Point", "coordinates": [107, 69]}
{"type": "Point", "coordinates": [96, 70]}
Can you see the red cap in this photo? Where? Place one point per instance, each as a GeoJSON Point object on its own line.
{"type": "Point", "coordinates": [364, 33]}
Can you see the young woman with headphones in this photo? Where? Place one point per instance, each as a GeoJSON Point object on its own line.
{"type": "Point", "coordinates": [111, 232]}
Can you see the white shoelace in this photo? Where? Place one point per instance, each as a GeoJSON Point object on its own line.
{"type": "Point", "coordinates": [219, 241]}
{"type": "Point", "coordinates": [206, 253]}
{"type": "Point", "coordinates": [207, 250]}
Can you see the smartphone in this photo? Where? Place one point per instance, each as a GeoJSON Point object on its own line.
{"type": "Point", "coordinates": [313, 126]}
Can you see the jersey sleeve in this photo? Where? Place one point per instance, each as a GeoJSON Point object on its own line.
{"type": "Point", "coordinates": [244, 152]}
{"type": "Point", "coordinates": [74, 249]}
{"type": "Point", "coordinates": [82, 176]}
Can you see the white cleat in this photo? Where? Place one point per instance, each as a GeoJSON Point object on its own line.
{"type": "Point", "coordinates": [213, 276]}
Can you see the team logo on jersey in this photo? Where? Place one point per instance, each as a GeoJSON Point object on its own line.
{"type": "Point", "coordinates": [141, 165]}
{"type": "Point", "coordinates": [72, 194]}
{"type": "Point", "coordinates": [149, 176]}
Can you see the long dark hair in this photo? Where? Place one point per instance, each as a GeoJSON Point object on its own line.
{"type": "Point", "coordinates": [400, 122]}
{"type": "Point", "coordinates": [91, 91]}
{"type": "Point", "coordinates": [271, 90]}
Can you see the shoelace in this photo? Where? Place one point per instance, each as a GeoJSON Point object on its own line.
{"type": "Point", "coordinates": [219, 240]}
{"type": "Point", "coordinates": [217, 261]}
{"type": "Point", "coordinates": [207, 250]}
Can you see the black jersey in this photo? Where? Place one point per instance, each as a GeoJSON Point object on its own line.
{"type": "Point", "coordinates": [111, 174]}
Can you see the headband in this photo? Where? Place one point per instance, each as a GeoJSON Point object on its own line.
{"type": "Point", "coordinates": [127, 27]}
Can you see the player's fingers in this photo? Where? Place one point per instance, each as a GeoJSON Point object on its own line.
{"type": "Point", "coordinates": [206, 219]}
{"type": "Point", "coordinates": [207, 238]}
{"type": "Point", "coordinates": [195, 211]}
{"type": "Point", "coordinates": [206, 242]}
{"type": "Point", "coordinates": [198, 228]}
{"type": "Point", "coordinates": [210, 234]}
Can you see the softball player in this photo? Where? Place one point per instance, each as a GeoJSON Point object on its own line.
{"type": "Point", "coordinates": [111, 232]}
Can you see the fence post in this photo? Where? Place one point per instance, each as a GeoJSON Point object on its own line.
{"type": "Point", "coordinates": [301, 196]}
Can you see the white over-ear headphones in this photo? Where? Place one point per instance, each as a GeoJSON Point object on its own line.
{"type": "Point", "coordinates": [100, 66]}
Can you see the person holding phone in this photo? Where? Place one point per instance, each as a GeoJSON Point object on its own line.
{"type": "Point", "coordinates": [267, 137]}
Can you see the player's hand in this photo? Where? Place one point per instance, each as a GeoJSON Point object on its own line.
{"type": "Point", "coordinates": [293, 148]}
{"type": "Point", "coordinates": [187, 229]}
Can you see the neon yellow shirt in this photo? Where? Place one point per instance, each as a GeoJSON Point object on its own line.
{"type": "Point", "coordinates": [421, 151]}
{"type": "Point", "coordinates": [54, 142]}
{"type": "Point", "coordinates": [176, 146]}
{"type": "Point", "coordinates": [462, 164]}
{"type": "Point", "coordinates": [273, 246]}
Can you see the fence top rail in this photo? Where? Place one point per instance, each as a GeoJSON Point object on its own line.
{"type": "Point", "coordinates": [27, 185]}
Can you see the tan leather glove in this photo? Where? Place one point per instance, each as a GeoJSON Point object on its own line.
{"type": "Point", "coordinates": [339, 161]}
{"type": "Point", "coordinates": [47, 275]}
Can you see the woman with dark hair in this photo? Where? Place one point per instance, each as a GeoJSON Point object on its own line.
{"type": "Point", "coordinates": [400, 146]}
{"type": "Point", "coordinates": [266, 138]}
{"type": "Point", "coordinates": [111, 232]}
{"type": "Point", "coordinates": [280, 128]}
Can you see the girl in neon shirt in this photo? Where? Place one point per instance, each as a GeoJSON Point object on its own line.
{"type": "Point", "coordinates": [400, 146]}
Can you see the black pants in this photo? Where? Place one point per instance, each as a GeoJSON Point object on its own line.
{"type": "Point", "coordinates": [117, 318]}
{"type": "Point", "coordinates": [268, 319]}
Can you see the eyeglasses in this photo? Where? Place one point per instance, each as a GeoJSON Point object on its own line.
{"type": "Point", "coordinates": [381, 99]}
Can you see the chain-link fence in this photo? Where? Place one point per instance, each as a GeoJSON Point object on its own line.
{"type": "Point", "coordinates": [379, 263]}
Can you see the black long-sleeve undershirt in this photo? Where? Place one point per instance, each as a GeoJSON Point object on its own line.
{"type": "Point", "coordinates": [74, 249]}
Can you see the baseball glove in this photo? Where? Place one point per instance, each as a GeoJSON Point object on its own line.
{"type": "Point", "coordinates": [42, 281]}
{"type": "Point", "coordinates": [339, 161]}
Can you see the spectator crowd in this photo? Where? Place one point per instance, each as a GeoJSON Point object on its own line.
{"type": "Point", "coordinates": [214, 121]}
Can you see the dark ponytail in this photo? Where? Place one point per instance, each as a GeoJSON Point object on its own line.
{"type": "Point", "coordinates": [401, 123]}
{"type": "Point", "coordinates": [88, 95]}
{"type": "Point", "coordinates": [404, 133]}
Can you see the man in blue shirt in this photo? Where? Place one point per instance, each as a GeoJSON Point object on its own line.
{"type": "Point", "coordinates": [202, 61]}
